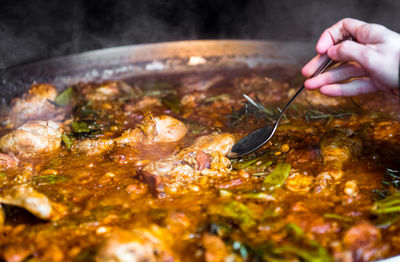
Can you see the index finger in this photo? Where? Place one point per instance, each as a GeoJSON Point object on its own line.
{"type": "Point", "coordinates": [343, 29]}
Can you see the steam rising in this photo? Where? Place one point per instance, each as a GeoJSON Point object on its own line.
{"type": "Point", "coordinates": [33, 30]}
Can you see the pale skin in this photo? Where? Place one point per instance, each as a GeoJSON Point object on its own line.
{"type": "Point", "coordinates": [369, 62]}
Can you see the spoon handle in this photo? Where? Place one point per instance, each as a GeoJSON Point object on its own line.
{"type": "Point", "coordinates": [320, 70]}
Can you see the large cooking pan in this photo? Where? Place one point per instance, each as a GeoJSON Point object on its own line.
{"type": "Point", "coordinates": [136, 60]}
{"type": "Point", "coordinates": [161, 58]}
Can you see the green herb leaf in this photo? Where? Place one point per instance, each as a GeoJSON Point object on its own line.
{"type": "Point", "coordinates": [49, 179]}
{"type": "Point", "coordinates": [338, 217]}
{"type": "Point", "coordinates": [235, 210]}
{"type": "Point", "coordinates": [385, 221]}
{"type": "Point", "coordinates": [173, 102]}
{"type": "Point", "coordinates": [215, 98]}
{"type": "Point", "coordinates": [277, 177]}
{"type": "Point", "coordinates": [68, 140]}
{"type": "Point", "coordinates": [65, 97]}
{"type": "Point", "coordinates": [390, 204]}
{"type": "Point", "coordinates": [80, 127]}
{"type": "Point", "coordinates": [307, 249]}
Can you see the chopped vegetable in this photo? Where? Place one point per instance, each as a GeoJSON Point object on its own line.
{"type": "Point", "coordinates": [339, 217]}
{"type": "Point", "coordinates": [173, 102]}
{"type": "Point", "coordinates": [215, 98]}
{"type": "Point", "coordinates": [390, 204]}
{"type": "Point", "coordinates": [68, 140]}
{"type": "Point", "coordinates": [80, 127]}
{"type": "Point", "coordinates": [260, 195]}
{"type": "Point", "coordinates": [235, 210]}
{"type": "Point", "coordinates": [85, 129]}
{"type": "Point", "coordinates": [255, 164]}
{"type": "Point", "coordinates": [304, 248]}
{"type": "Point", "coordinates": [65, 97]}
{"type": "Point", "coordinates": [277, 177]}
{"type": "Point", "coordinates": [386, 220]}
{"type": "Point", "coordinates": [49, 179]}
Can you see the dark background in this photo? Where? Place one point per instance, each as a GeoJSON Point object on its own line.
{"type": "Point", "coordinates": [38, 29]}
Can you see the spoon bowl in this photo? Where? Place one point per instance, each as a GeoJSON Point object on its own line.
{"type": "Point", "coordinates": [259, 137]}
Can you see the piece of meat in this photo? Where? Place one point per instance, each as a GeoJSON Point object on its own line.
{"type": "Point", "coordinates": [108, 91]}
{"type": "Point", "coordinates": [154, 129]}
{"type": "Point", "coordinates": [215, 249]}
{"type": "Point", "coordinates": [215, 142]}
{"type": "Point", "coordinates": [166, 173]}
{"type": "Point", "coordinates": [144, 103]}
{"type": "Point", "coordinates": [34, 105]}
{"type": "Point", "coordinates": [8, 161]}
{"type": "Point", "coordinates": [31, 138]}
{"type": "Point", "coordinates": [168, 129]}
{"type": "Point", "coordinates": [140, 245]}
{"type": "Point", "coordinates": [204, 157]}
{"type": "Point", "coordinates": [364, 241]}
{"type": "Point", "coordinates": [131, 137]}
{"type": "Point", "coordinates": [92, 146]}
{"type": "Point", "coordinates": [152, 181]}
{"type": "Point", "coordinates": [298, 182]}
{"type": "Point", "coordinates": [203, 160]}
{"type": "Point", "coordinates": [338, 146]}
{"type": "Point", "coordinates": [28, 198]}
{"type": "Point", "coordinates": [191, 100]}
{"type": "Point", "coordinates": [298, 157]}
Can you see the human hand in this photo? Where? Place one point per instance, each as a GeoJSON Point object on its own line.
{"type": "Point", "coordinates": [373, 58]}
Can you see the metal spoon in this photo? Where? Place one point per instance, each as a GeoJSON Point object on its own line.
{"type": "Point", "coordinates": [258, 138]}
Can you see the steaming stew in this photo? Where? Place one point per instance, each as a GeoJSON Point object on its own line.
{"type": "Point", "coordinates": [137, 171]}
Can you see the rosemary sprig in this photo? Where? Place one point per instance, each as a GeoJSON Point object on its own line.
{"type": "Point", "coordinates": [271, 115]}
{"type": "Point", "coordinates": [392, 177]}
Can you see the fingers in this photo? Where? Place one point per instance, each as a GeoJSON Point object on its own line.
{"type": "Point", "coordinates": [340, 31]}
{"type": "Point", "coordinates": [312, 66]}
{"type": "Point", "coordinates": [352, 51]}
{"type": "Point", "coordinates": [355, 87]}
{"type": "Point", "coordinates": [335, 75]}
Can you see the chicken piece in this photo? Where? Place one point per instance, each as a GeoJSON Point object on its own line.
{"type": "Point", "coordinates": [141, 245]}
{"type": "Point", "coordinates": [206, 156]}
{"type": "Point", "coordinates": [104, 92]}
{"type": "Point", "coordinates": [131, 137]}
{"type": "Point", "coordinates": [215, 249]}
{"type": "Point", "coordinates": [338, 146]}
{"type": "Point", "coordinates": [154, 130]}
{"type": "Point", "coordinates": [31, 138]}
{"type": "Point", "coordinates": [28, 198]}
{"type": "Point", "coordinates": [92, 147]}
{"type": "Point", "coordinates": [8, 161]}
{"type": "Point", "coordinates": [144, 103]}
{"type": "Point", "coordinates": [191, 100]}
{"type": "Point", "coordinates": [299, 182]}
{"type": "Point", "coordinates": [221, 143]}
{"type": "Point", "coordinates": [364, 241]}
{"type": "Point", "coordinates": [34, 105]}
